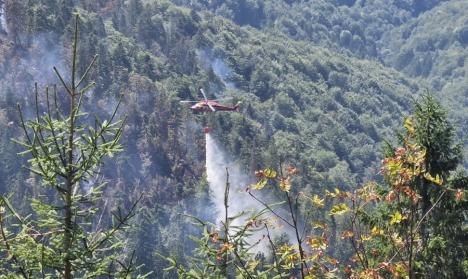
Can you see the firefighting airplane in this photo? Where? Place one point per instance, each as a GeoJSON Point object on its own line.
{"type": "Point", "coordinates": [210, 105]}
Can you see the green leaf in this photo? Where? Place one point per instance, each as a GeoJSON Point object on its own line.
{"type": "Point", "coordinates": [169, 268]}
{"type": "Point", "coordinates": [437, 180]}
{"type": "Point", "coordinates": [395, 218]}
{"type": "Point", "coordinates": [317, 201]}
{"type": "Point", "coordinates": [408, 124]}
{"type": "Point", "coordinates": [259, 185]}
{"type": "Point", "coordinates": [339, 209]}
{"type": "Point", "coordinates": [270, 173]}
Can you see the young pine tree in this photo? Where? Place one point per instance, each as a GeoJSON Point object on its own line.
{"type": "Point", "coordinates": [59, 240]}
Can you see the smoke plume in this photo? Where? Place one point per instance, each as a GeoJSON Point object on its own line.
{"type": "Point", "coordinates": [3, 25]}
{"type": "Point", "coordinates": [208, 60]}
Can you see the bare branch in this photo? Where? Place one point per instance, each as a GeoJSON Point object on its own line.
{"type": "Point", "coordinates": [63, 81]}
{"type": "Point", "coordinates": [87, 70]}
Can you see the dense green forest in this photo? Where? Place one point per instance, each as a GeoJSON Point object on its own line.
{"type": "Point", "coordinates": [326, 88]}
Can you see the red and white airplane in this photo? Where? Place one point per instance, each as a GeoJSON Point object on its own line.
{"type": "Point", "coordinates": [210, 105]}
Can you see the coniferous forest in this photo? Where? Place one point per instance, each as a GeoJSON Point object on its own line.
{"type": "Point", "coordinates": [331, 142]}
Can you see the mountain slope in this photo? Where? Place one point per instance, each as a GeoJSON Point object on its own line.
{"type": "Point", "coordinates": [434, 48]}
{"type": "Point", "coordinates": [321, 110]}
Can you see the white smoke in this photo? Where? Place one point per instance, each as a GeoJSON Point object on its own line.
{"type": "Point", "coordinates": [3, 25]}
{"type": "Point", "coordinates": [223, 72]}
{"type": "Point", "coordinates": [208, 60]}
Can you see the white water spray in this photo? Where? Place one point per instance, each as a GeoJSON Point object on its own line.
{"type": "Point", "coordinates": [216, 164]}
{"type": "Point", "coordinates": [239, 200]}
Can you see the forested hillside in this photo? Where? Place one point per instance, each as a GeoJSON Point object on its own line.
{"type": "Point", "coordinates": [424, 39]}
{"type": "Point", "coordinates": [322, 84]}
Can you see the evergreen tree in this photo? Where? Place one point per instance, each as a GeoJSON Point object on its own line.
{"type": "Point", "coordinates": [443, 235]}
{"type": "Point", "coordinates": [416, 228]}
{"type": "Point", "coordinates": [59, 240]}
